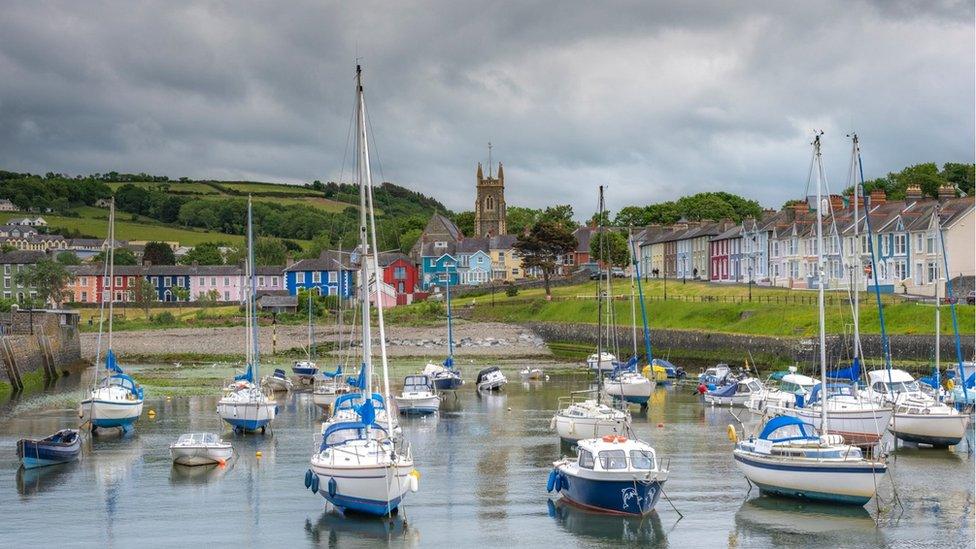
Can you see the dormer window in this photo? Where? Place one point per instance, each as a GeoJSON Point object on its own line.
{"type": "Point", "coordinates": [440, 244]}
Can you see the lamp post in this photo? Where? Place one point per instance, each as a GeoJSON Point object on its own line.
{"type": "Point", "coordinates": [750, 283]}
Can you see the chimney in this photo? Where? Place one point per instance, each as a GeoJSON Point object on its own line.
{"type": "Point", "coordinates": [878, 197]}
{"type": "Point", "coordinates": [800, 208]}
{"type": "Point", "coordinates": [947, 191]}
{"type": "Point", "coordinates": [914, 192]}
{"type": "Point", "coordinates": [836, 203]}
{"type": "Point", "coordinates": [289, 262]}
{"type": "Point", "coordinates": [851, 198]}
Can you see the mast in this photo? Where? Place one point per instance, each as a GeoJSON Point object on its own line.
{"type": "Point", "coordinates": [820, 286]}
{"type": "Point", "coordinates": [252, 309]}
{"type": "Point", "coordinates": [955, 318]}
{"type": "Point", "coordinates": [858, 269]}
{"type": "Point", "coordinates": [599, 310]}
{"type": "Point", "coordinates": [450, 326]}
{"type": "Point", "coordinates": [938, 320]}
{"type": "Point", "coordinates": [363, 161]}
{"type": "Point", "coordinates": [368, 186]}
{"type": "Point", "coordinates": [640, 296]}
{"type": "Point", "coordinates": [309, 325]}
{"type": "Point", "coordinates": [111, 271]}
{"type": "Point", "coordinates": [633, 311]}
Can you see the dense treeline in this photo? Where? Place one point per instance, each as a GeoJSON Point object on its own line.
{"type": "Point", "coordinates": [928, 177]}
{"type": "Point", "coordinates": [697, 207]}
{"type": "Point", "coordinates": [53, 191]}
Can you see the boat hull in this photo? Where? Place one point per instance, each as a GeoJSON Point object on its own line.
{"type": "Point", "coordinates": [247, 416]}
{"type": "Point", "coordinates": [842, 484]}
{"type": "Point", "coordinates": [448, 383]}
{"type": "Point", "coordinates": [35, 453]}
{"type": "Point", "coordinates": [111, 413]}
{"type": "Point", "coordinates": [418, 406]}
{"type": "Point", "coordinates": [935, 430]}
{"type": "Point", "coordinates": [572, 429]}
{"type": "Point", "coordinates": [324, 400]}
{"type": "Point", "coordinates": [277, 384]}
{"type": "Point", "coordinates": [619, 497]}
{"type": "Point", "coordinates": [201, 455]}
{"type": "Point", "coordinates": [634, 393]}
{"type": "Point", "coordinates": [366, 490]}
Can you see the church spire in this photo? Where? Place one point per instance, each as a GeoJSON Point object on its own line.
{"type": "Point", "coordinates": [501, 174]}
{"type": "Point", "coordinates": [480, 176]}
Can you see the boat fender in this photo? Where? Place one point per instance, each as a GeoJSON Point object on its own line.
{"type": "Point", "coordinates": [732, 434]}
{"type": "Point", "coordinates": [332, 487]}
{"type": "Point", "coordinates": [551, 483]}
{"type": "Point", "coordinates": [308, 478]}
{"type": "Point", "coordinates": [315, 484]}
{"type": "Point", "coordinates": [609, 438]}
{"type": "Point", "coordinates": [552, 423]}
{"type": "Point", "coordinates": [621, 438]}
{"type": "Point", "coordinates": [414, 483]}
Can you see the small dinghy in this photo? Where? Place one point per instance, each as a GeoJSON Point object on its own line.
{"type": "Point", "coordinates": [418, 396]}
{"type": "Point", "coordinates": [305, 370]}
{"type": "Point", "coordinates": [61, 447]}
{"type": "Point", "coordinates": [491, 379]}
{"type": "Point", "coordinates": [278, 381]}
{"type": "Point", "coordinates": [200, 449]}
{"type": "Point", "coordinates": [532, 374]}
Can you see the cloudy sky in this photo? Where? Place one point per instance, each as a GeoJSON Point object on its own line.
{"type": "Point", "coordinates": [654, 99]}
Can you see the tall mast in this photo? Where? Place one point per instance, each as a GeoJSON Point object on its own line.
{"type": "Point", "coordinates": [633, 309]}
{"type": "Point", "coordinates": [450, 326]}
{"type": "Point", "coordinates": [309, 325]}
{"type": "Point", "coordinates": [599, 309]}
{"type": "Point", "coordinates": [252, 309]}
{"type": "Point", "coordinates": [856, 311]}
{"type": "Point", "coordinates": [938, 314]}
{"type": "Point", "coordinates": [818, 159]}
{"type": "Point", "coordinates": [363, 160]}
{"type": "Point", "coordinates": [640, 297]}
{"type": "Point", "coordinates": [111, 270]}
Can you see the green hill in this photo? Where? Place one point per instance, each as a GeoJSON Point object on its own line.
{"type": "Point", "coordinates": [313, 216]}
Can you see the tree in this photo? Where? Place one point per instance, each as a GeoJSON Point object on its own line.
{"type": "Point", "coordinates": [49, 278]}
{"type": "Point", "coordinates": [542, 245]}
{"type": "Point", "coordinates": [465, 223]}
{"type": "Point", "coordinates": [562, 214]}
{"type": "Point", "coordinates": [144, 295]}
{"type": "Point", "coordinates": [68, 258]}
{"type": "Point", "coordinates": [157, 253]}
{"type": "Point", "coordinates": [205, 253]}
{"type": "Point", "coordinates": [123, 256]}
{"type": "Point", "coordinates": [181, 294]}
{"type": "Point", "coordinates": [614, 252]}
{"type": "Point", "coordinates": [517, 219]}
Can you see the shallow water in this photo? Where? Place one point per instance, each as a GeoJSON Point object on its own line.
{"type": "Point", "coordinates": [484, 463]}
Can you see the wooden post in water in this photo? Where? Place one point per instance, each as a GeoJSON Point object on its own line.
{"type": "Point", "coordinates": [10, 364]}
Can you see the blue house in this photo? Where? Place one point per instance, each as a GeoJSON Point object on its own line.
{"type": "Point", "coordinates": [478, 270]}
{"type": "Point", "coordinates": [436, 260]}
{"type": "Point", "coordinates": [167, 277]}
{"type": "Point", "coordinates": [331, 273]}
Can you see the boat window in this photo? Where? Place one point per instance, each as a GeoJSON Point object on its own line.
{"type": "Point", "coordinates": [879, 387]}
{"type": "Point", "coordinates": [613, 459]}
{"type": "Point", "coordinates": [755, 386]}
{"type": "Point", "coordinates": [585, 459]}
{"type": "Point", "coordinates": [642, 459]}
{"type": "Point", "coordinates": [902, 386]}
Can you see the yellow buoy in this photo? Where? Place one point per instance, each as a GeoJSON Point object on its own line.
{"type": "Point", "coordinates": [733, 435]}
{"type": "Point", "coordinates": [152, 413]}
{"type": "Point", "coordinates": [257, 454]}
{"type": "Point", "coordinates": [415, 473]}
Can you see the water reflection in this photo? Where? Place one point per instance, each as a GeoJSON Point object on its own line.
{"type": "Point", "coordinates": [199, 474]}
{"type": "Point", "coordinates": [647, 530]}
{"type": "Point", "coordinates": [36, 481]}
{"type": "Point", "coordinates": [783, 520]}
{"type": "Point", "coordinates": [334, 529]}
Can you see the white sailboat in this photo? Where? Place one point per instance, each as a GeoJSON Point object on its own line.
{"type": "Point", "coordinates": [579, 415]}
{"type": "Point", "coordinates": [359, 465]}
{"type": "Point", "coordinates": [115, 399]}
{"type": "Point", "coordinates": [791, 457]}
{"type": "Point", "coordinates": [306, 369]}
{"type": "Point", "coordinates": [247, 407]}
{"type": "Point", "coordinates": [627, 382]}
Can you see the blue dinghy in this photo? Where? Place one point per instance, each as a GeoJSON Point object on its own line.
{"type": "Point", "coordinates": [61, 447]}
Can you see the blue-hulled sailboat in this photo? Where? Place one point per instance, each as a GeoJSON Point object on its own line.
{"type": "Point", "coordinates": [446, 376]}
{"type": "Point", "coordinates": [114, 400]}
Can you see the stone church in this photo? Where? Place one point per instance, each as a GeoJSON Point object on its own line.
{"type": "Point", "coordinates": [489, 206]}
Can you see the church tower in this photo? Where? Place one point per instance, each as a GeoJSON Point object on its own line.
{"type": "Point", "coordinates": [489, 207]}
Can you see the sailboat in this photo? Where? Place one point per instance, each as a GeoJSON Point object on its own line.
{"type": "Point", "coordinates": [446, 376]}
{"type": "Point", "coordinates": [579, 416]}
{"type": "Point", "coordinates": [789, 456]}
{"type": "Point", "coordinates": [332, 384]}
{"type": "Point", "coordinates": [246, 407]}
{"type": "Point", "coordinates": [861, 420]}
{"type": "Point", "coordinates": [359, 465]}
{"type": "Point", "coordinates": [627, 382]}
{"type": "Point", "coordinates": [114, 400]}
{"type": "Point", "coordinates": [306, 369]}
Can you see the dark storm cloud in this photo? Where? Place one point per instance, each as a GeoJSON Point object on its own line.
{"type": "Point", "coordinates": [653, 99]}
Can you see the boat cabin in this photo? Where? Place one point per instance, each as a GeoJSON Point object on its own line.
{"type": "Point", "coordinates": [486, 373]}
{"type": "Point", "coordinates": [899, 381]}
{"type": "Point", "coordinates": [797, 383]}
{"type": "Point", "coordinates": [418, 384]}
{"type": "Point", "coordinates": [198, 439]}
{"type": "Point", "coordinates": [617, 454]}
{"type": "Point", "coordinates": [351, 401]}
{"type": "Point", "coordinates": [125, 382]}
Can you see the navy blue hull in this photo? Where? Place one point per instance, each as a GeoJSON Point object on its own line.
{"type": "Point", "coordinates": [448, 383]}
{"type": "Point", "coordinates": [618, 497]}
{"type": "Point", "coordinates": [39, 453]}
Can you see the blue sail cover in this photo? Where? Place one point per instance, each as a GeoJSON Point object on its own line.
{"type": "Point", "coordinates": [336, 373]}
{"type": "Point", "coordinates": [449, 362]}
{"type": "Point", "coordinates": [366, 412]}
{"type": "Point", "coordinates": [801, 430]}
{"type": "Point", "coordinates": [248, 375]}
{"type": "Point", "coordinates": [359, 381]}
{"type": "Point", "coordinates": [621, 367]}
{"type": "Point", "coordinates": [725, 391]}
{"type": "Point", "coordinates": [111, 363]}
{"type": "Point", "coordinates": [852, 372]}
{"type": "Point", "coordinates": [930, 379]}
{"type": "Point", "coordinates": [671, 369]}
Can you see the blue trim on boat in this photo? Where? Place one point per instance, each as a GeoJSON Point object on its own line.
{"type": "Point", "coordinates": [418, 411]}
{"type": "Point", "coordinates": [247, 424]}
{"type": "Point", "coordinates": [812, 496]}
{"type": "Point", "coordinates": [811, 469]}
{"type": "Point", "coordinates": [362, 505]}
{"type": "Point", "coordinates": [611, 496]}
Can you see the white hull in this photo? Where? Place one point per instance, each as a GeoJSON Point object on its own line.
{"type": "Point", "coordinates": [858, 427]}
{"type": "Point", "coordinates": [631, 390]}
{"type": "Point", "coordinates": [277, 384]}
{"type": "Point", "coordinates": [578, 428]}
{"type": "Point", "coordinates": [823, 484]}
{"type": "Point", "coordinates": [426, 404]}
{"type": "Point", "coordinates": [737, 400]}
{"type": "Point", "coordinates": [201, 455]}
{"type": "Point", "coordinates": [603, 362]}
{"type": "Point", "coordinates": [324, 400]}
{"type": "Point", "coordinates": [110, 411]}
{"type": "Point", "coordinates": [247, 414]}
{"type": "Point", "coordinates": [938, 430]}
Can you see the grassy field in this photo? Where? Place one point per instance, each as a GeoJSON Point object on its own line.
{"type": "Point", "coordinates": [265, 188]}
{"type": "Point", "coordinates": [188, 188]}
{"type": "Point", "coordinates": [133, 318]}
{"type": "Point", "coordinates": [730, 313]}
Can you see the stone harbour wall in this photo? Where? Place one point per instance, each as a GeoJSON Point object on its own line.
{"type": "Point", "coordinates": [52, 348]}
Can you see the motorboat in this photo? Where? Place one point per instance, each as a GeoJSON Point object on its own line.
{"type": "Point", "coordinates": [790, 458]}
{"type": "Point", "coordinates": [715, 376]}
{"type": "Point", "coordinates": [917, 417]}
{"type": "Point", "coordinates": [115, 401]}
{"type": "Point", "coordinates": [490, 379]}
{"type": "Point", "coordinates": [61, 447]}
{"type": "Point", "coordinates": [860, 420]}
{"type": "Point", "coordinates": [580, 418]}
{"type": "Point", "coordinates": [532, 374]}
{"type": "Point", "coordinates": [277, 382]}
{"type": "Point", "coordinates": [610, 474]}
{"type": "Point", "coordinates": [305, 370]}
{"type": "Point", "coordinates": [672, 371]}
{"type": "Point", "coordinates": [446, 376]}
{"type": "Point", "coordinates": [418, 396]}
{"type": "Point", "coordinates": [200, 449]}
{"type": "Point", "coordinates": [735, 394]}
{"type": "Point", "coordinates": [601, 361]}
{"type": "Point", "coordinates": [784, 394]}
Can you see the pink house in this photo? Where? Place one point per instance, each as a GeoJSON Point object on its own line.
{"type": "Point", "coordinates": [224, 282]}
{"type": "Point", "coordinates": [270, 279]}
{"type": "Point", "coordinates": [84, 287]}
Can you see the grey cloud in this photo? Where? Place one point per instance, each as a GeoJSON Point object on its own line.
{"type": "Point", "coordinates": [654, 99]}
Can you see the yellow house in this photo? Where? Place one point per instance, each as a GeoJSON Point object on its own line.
{"type": "Point", "coordinates": [505, 263]}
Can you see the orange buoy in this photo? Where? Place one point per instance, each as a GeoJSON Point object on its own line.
{"type": "Point", "coordinates": [660, 425]}
{"type": "Point", "coordinates": [621, 438]}
{"type": "Point", "coordinates": [608, 438]}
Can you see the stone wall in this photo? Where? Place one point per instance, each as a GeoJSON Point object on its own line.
{"type": "Point", "coordinates": [738, 346]}
{"type": "Point", "coordinates": [45, 341]}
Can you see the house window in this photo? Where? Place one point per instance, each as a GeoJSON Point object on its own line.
{"type": "Point", "coordinates": [901, 242]}
{"type": "Point", "coordinates": [930, 244]}
{"type": "Point", "coordinates": [274, 282]}
{"type": "Point", "coordinates": [226, 281]}
{"type": "Point", "coordinates": [901, 269]}
{"type": "Point", "coordinates": [501, 256]}
{"type": "Point", "coordinates": [919, 241]}
{"type": "Point", "coordinates": [260, 281]}
{"type": "Point", "coordinates": [792, 246]}
{"type": "Point", "coordinates": [918, 273]}
{"type": "Point", "coordinates": [399, 272]}
{"type": "Point", "coordinates": [333, 277]}
{"type": "Point", "coordinates": [155, 281]}
{"type": "Point", "coordinates": [885, 245]}
{"type": "Point", "coordinates": [776, 248]}
{"type": "Point", "coordinates": [226, 295]}
{"type": "Point", "coordinates": [202, 281]}
{"type": "Point", "coordinates": [83, 281]}
{"type": "Point", "coordinates": [118, 281]}
{"type": "Point", "coordinates": [794, 269]}
{"type": "Point", "coordinates": [933, 272]}
{"type": "Point", "coordinates": [84, 297]}
{"type": "Point", "coordinates": [316, 277]}
{"type": "Point", "coordinates": [300, 278]}
{"type": "Point", "coordinates": [167, 282]}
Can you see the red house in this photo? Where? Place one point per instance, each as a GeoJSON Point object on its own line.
{"type": "Point", "coordinates": [401, 274]}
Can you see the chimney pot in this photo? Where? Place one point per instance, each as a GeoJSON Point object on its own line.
{"type": "Point", "coordinates": [946, 191]}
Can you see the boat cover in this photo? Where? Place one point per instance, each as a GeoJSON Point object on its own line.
{"type": "Point", "coordinates": [725, 391]}
{"type": "Point", "coordinates": [852, 372]}
{"type": "Point", "coordinates": [786, 428]}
